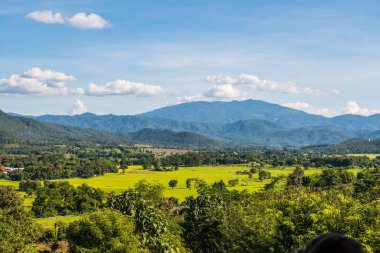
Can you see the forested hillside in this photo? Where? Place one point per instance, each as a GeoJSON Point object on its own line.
{"type": "Point", "coordinates": [24, 130]}
{"type": "Point", "coordinates": [354, 146]}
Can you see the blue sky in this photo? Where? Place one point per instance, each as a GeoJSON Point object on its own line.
{"type": "Point", "coordinates": [127, 57]}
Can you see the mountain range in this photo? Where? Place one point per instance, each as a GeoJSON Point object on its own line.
{"type": "Point", "coordinates": [16, 129]}
{"type": "Point", "coordinates": [249, 122]}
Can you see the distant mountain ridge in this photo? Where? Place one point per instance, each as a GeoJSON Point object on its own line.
{"type": "Point", "coordinates": [229, 112]}
{"type": "Point", "coordinates": [15, 129]}
{"type": "Point", "coordinates": [249, 122]}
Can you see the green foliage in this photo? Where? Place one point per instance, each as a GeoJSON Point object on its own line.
{"type": "Point", "coordinates": [233, 182]}
{"type": "Point", "coordinates": [367, 185]}
{"type": "Point", "coordinates": [220, 186]}
{"type": "Point", "coordinates": [333, 177]}
{"type": "Point", "coordinates": [173, 183]}
{"type": "Point", "coordinates": [18, 231]}
{"type": "Point", "coordinates": [103, 231]}
{"type": "Point", "coordinates": [296, 178]}
{"type": "Point", "coordinates": [276, 221]}
{"type": "Point", "coordinates": [264, 175]}
{"type": "Point", "coordinates": [156, 229]}
{"type": "Point", "coordinates": [29, 186]}
{"type": "Point", "coordinates": [203, 220]}
{"type": "Point", "coordinates": [9, 198]}
{"type": "Point", "coordinates": [273, 183]}
{"type": "Point", "coordinates": [61, 198]}
{"type": "Point", "coordinates": [189, 181]}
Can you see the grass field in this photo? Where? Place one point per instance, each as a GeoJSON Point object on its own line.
{"type": "Point", "coordinates": [210, 174]}
{"type": "Point", "coordinates": [49, 222]}
{"type": "Point", "coordinates": [118, 182]}
{"type": "Point", "coordinates": [371, 156]}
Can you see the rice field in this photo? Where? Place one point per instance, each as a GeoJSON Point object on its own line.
{"type": "Point", "coordinates": [118, 182]}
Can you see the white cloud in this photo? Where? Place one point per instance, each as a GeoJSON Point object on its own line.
{"type": "Point", "coordinates": [226, 91]}
{"type": "Point", "coordinates": [38, 82]}
{"type": "Point", "coordinates": [246, 81]}
{"type": "Point", "coordinates": [90, 21]}
{"type": "Point", "coordinates": [309, 108]}
{"type": "Point", "coordinates": [78, 108]}
{"type": "Point", "coordinates": [79, 20]}
{"type": "Point", "coordinates": [123, 87]}
{"type": "Point", "coordinates": [46, 17]}
{"type": "Point", "coordinates": [353, 107]}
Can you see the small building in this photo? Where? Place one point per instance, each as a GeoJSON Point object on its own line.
{"type": "Point", "coordinates": [8, 170]}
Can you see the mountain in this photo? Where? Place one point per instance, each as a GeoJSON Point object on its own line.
{"type": "Point", "coordinates": [357, 122]}
{"type": "Point", "coordinates": [250, 122]}
{"type": "Point", "coordinates": [159, 138]}
{"type": "Point", "coordinates": [228, 112]}
{"type": "Point", "coordinates": [353, 146]}
{"type": "Point", "coordinates": [244, 132]}
{"type": "Point", "coordinates": [123, 124]}
{"type": "Point", "coordinates": [15, 129]}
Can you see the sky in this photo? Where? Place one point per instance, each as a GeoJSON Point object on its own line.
{"type": "Point", "coordinates": [128, 57]}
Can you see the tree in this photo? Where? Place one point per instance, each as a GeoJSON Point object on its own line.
{"type": "Point", "coordinates": [173, 183]}
{"type": "Point", "coordinates": [219, 186]}
{"type": "Point", "coordinates": [188, 182]}
{"type": "Point", "coordinates": [264, 175]}
{"type": "Point", "coordinates": [157, 231]}
{"type": "Point", "coordinates": [9, 197]}
{"type": "Point", "coordinates": [296, 178]}
{"type": "Point", "coordinates": [233, 182]}
{"type": "Point", "coordinates": [103, 231]}
{"type": "Point", "coordinates": [123, 165]}
{"type": "Point", "coordinates": [203, 223]}
{"type": "Point", "coordinates": [18, 231]}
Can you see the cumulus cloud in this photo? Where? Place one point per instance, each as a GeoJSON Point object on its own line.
{"type": "Point", "coordinates": [46, 17]}
{"type": "Point", "coordinates": [90, 21]}
{"type": "Point", "coordinates": [38, 82]}
{"type": "Point", "coordinates": [78, 108]}
{"type": "Point", "coordinates": [353, 107]}
{"type": "Point", "coordinates": [246, 81]}
{"type": "Point", "coordinates": [302, 106]}
{"type": "Point", "coordinates": [79, 20]}
{"type": "Point", "coordinates": [123, 87]}
{"type": "Point", "coordinates": [226, 91]}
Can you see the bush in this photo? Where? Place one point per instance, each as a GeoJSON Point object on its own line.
{"type": "Point", "coordinates": [233, 182]}
{"type": "Point", "coordinates": [264, 175]}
